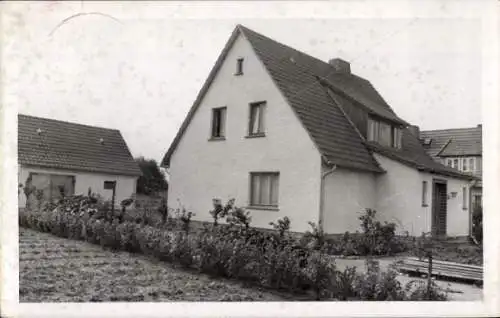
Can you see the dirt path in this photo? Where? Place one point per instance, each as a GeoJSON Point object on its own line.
{"type": "Point", "coordinates": [53, 269]}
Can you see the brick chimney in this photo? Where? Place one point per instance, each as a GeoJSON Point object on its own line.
{"type": "Point", "coordinates": [340, 65]}
{"type": "Point", "coordinates": [415, 130]}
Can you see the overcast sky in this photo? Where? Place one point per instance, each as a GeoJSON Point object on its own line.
{"type": "Point", "coordinates": [141, 72]}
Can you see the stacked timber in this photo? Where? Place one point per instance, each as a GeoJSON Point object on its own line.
{"type": "Point", "coordinates": [442, 269]}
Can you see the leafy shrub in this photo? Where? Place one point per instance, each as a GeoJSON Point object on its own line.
{"type": "Point", "coordinates": [184, 217]}
{"type": "Point", "coordinates": [239, 217]}
{"type": "Point", "coordinates": [315, 238]}
{"type": "Point", "coordinates": [220, 211]}
{"type": "Point", "coordinates": [240, 252]}
{"type": "Point", "coordinates": [419, 290]}
{"type": "Point", "coordinates": [282, 226]}
{"type": "Point", "coordinates": [376, 238]}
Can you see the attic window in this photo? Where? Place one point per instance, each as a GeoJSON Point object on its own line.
{"type": "Point", "coordinates": [427, 141]}
{"type": "Point", "coordinates": [39, 131]}
{"type": "Point", "coordinates": [239, 66]}
{"type": "Point", "coordinates": [384, 133]}
{"type": "Point", "coordinates": [101, 141]}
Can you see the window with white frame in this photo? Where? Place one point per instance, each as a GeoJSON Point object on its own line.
{"type": "Point", "coordinates": [449, 162]}
{"type": "Point", "coordinates": [264, 189]}
{"type": "Point", "coordinates": [256, 120]}
{"type": "Point", "coordinates": [465, 166]}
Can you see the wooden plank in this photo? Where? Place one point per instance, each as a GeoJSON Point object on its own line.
{"type": "Point", "coordinates": [448, 275]}
{"type": "Point", "coordinates": [445, 267]}
{"type": "Point", "coordinates": [444, 262]}
{"type": "Point", "coordinates": [423, 270]}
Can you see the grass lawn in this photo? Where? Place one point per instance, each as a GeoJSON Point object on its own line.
{"type": "Point", "coordinates": [53, 269]}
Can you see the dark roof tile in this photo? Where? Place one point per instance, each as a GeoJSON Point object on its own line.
{"type": "Point", "coordinates": [454, 142]}
{"type": "Point", "coordinates": [306, 82]}
{"type": "Point", "coordinates": [66, 145]}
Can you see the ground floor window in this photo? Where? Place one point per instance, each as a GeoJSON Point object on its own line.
{"type": "Point", "coordinates": [264, 189]}
{"type": "Point", "coordinates": [47, 187]}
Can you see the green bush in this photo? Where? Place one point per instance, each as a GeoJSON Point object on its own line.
{"type": "Point", "coordinates": [376, 238]}
{"type": "Point", "coordinates": [235, 251]}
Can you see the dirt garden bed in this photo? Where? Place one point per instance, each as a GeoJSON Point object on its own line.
{"type": "Point", "coordinates": [53, 269]}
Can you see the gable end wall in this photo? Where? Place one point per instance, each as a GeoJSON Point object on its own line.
{"type": "Point", "coordinates": [201, 170]}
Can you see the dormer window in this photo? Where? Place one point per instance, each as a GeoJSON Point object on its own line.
{"type": "Point", "coordinates": [239, 66]}
{"type": "Point", "coordinates": [384, 133]}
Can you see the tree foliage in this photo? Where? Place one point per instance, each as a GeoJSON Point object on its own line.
{"type": "Point", "coordinates": [152, 179]}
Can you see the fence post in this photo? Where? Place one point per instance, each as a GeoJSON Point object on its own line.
{"type": "Point", "coordinates": [429, 276]}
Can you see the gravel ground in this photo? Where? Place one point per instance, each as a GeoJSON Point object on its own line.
{"type": "Point", "coordinates": [53, 269]}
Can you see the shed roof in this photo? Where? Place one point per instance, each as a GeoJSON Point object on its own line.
{"type": "Point", "coordinates": [50, 143]}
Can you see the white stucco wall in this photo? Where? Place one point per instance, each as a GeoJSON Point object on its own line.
{"type": "Point", "coordinates": [399, 199]}
{"type": "Point", "coordinates": [125, 185]}
{"type": "Point", "coordinates": [201, 170]}
{"type": "Point", "coordinates": [347, 194]}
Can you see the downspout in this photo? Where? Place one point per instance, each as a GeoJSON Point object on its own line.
{"type": "Point", "coordinates": [322, 195]}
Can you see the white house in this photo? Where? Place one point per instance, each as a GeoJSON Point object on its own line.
{"type": "Point", "coordinates": [459, 148]}
{"type": "Point", "coordinates": [59, 157]}
{"type": "Point", "coordinates": [287, 134]}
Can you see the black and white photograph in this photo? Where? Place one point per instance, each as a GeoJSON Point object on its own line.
{"type": "Point", "coordinates": [248, 154]}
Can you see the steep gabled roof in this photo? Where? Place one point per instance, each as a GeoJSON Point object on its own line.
{"type": "Point", "coordinates": [58, 144]}
{"type": "Point", "coordinates": [304, 81]}
{"type": "Point", "coordinates": [454, 142]}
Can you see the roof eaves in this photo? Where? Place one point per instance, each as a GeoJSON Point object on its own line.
{"type": "Point", "coordinates": [137, 173]}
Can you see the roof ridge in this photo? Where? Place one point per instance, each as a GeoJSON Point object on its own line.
{"type": "Point", "coordinates": [67, 122]}
{"type": "Point", "coordinates": [244, 28]}
{"type": "Point", "coordinates": [450, 129]}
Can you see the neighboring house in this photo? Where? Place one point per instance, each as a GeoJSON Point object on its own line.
{"type": "Point", "coordinates": [62, 158]}
{"type": "Point", "coordinates": [461, 149]}
{"type": "Point", "coordinates": [287, 134]}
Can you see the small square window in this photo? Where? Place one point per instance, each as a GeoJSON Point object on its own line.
{"type": "Point", "coordinates": [256, 122]}
{"type": "Point", "coordinates": [264, 189]}
{"type": "Point", "coordinates": [239, 66]}
{"type": "Point", "coordinates": [218, 122]}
